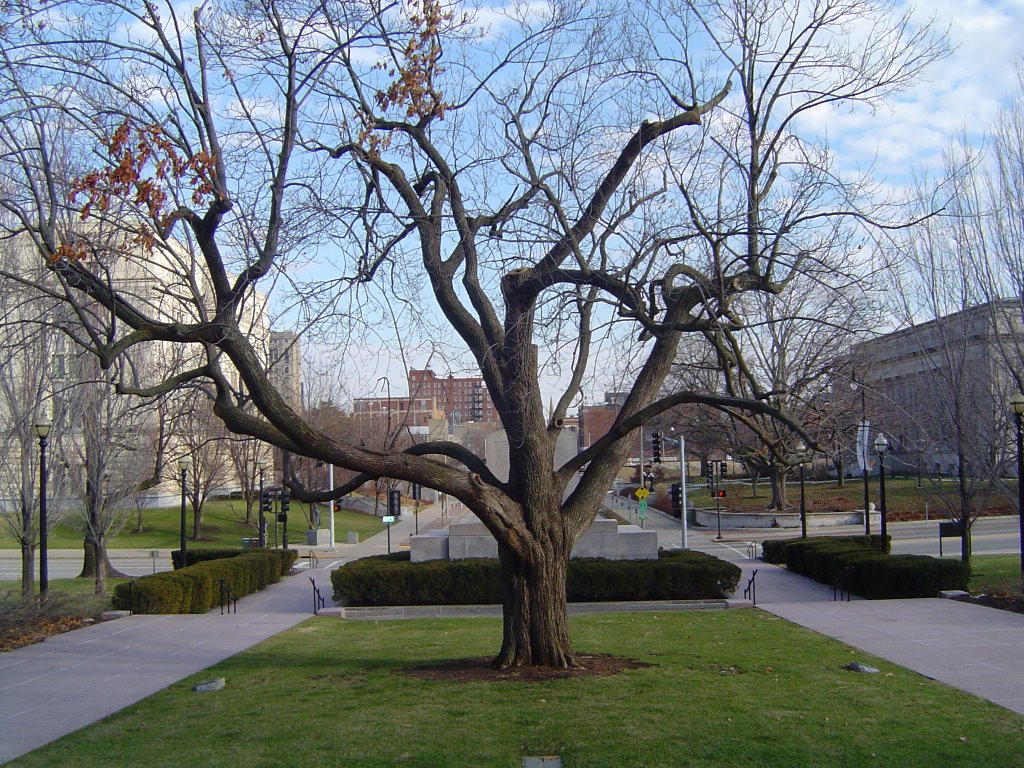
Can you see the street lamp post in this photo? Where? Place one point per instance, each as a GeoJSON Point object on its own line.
{"type": "Point", "coordinates": [42, 429]}
{"type": "Point", "coordinates": [1018, 410]}
{"type": "Point", "coordinates": [803, 495]}
{"type": "Point", "coordinates": [881, 445]}
{"type": "Point", "coordinates": [261, 465]}
{"type": "Point", "coordinates": [183, 464]}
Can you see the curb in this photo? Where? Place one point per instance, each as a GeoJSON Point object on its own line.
{"type": "Point", "coordinates": [395, 612]}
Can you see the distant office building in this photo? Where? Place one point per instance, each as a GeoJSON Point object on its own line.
{"type": "Point", "coordinates": [942, 388]}
{"type": "Point", "coordinates": [461, 398]}
{"type": "Point", "coordinates": [285, 366]}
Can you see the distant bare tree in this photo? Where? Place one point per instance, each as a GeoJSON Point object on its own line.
{"type": "Point", "coordinates": [207, 445]}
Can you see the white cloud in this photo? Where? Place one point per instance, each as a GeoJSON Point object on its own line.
{"type": "Point", "coordinates": [962, 92]}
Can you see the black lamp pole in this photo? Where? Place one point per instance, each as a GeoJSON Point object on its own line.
{"type": "Point", "coordinates": [42, 429]}
{"type": "Point", "coordinates": [803, 503]}
{"type": "Point", "coordinates": [1018, 409]}
{"type": "Point", "coordinates": [183, 466]}
{"type": "Point", "coordinates": [261, 465]}
{"type": "Point", "coordinates": [881, 444]}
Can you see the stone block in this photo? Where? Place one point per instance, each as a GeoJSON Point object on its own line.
{"type": "Point", "coordinates": [320, 537]}
{"type": "Point", "coordinates": [462, 547]}
{"type": "Point", "coordinates": [432, 545]}
{"type": "Point", "coordinates": [637, 544]}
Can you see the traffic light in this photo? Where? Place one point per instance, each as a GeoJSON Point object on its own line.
{"type": "Point", "coordinates": [721, 493]}
{"type": "Point", "coordinates": [266, 505]}
{"type": "Point", "coordinates": [395, 503]}
{"type": "Point", "coordinates": [282, 516]}
{"type": "Point", "coordinates": [723, 468]}
{"type": "Point", "coordinates": [415, 491]}
{"type": "Point", "coordinates": [675, 493]}
{"type": "Point", "coordinates": [656, 447]}
{"type": "Point", "coordinates": [709, 473]}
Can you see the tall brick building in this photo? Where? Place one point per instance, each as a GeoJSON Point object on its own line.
{"type": "Point", "coordinates": [462, 399]}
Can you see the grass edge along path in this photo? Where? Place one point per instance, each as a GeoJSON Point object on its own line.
{"type": "Point", "coordinates": [734, 688]}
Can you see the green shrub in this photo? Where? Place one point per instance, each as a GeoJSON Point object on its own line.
{"type": "Point", "coordinates": [673, 576]}
{"type": "Point", "coordinates": [905, 576]}
{"type": "Point", "coordinates": [872, 573]}
{"type": "Point", "coordinates": [285, 558]}
{"type": "Point", "coordinates": [197, 588]}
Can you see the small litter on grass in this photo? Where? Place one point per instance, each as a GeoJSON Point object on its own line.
{"type": "Point", "coordinates": [210, 685]}
{"type": "Point", "coordinates": [856, 666]}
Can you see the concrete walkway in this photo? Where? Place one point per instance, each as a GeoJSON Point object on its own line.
{"type": "Point", "coordinates": [51, 689]}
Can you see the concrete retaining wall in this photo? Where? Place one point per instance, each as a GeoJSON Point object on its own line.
{"type": "Point", "coordinates": [604, 538]}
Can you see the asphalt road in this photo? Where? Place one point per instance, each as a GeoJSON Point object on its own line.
{"type": "Point", "coordinates": [991, 535]}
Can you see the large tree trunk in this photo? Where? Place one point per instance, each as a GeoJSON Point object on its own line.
{"type": "Point", "coordinates": [28, 569]}
{"type": "Point", "coordinates": [536, 621]}
{"type": "Point", "coordinates": [96, 565]}
{"type": "Point", "coordinates": [840, 467]}
{"type": "Point", "coordinates": [777, 475]}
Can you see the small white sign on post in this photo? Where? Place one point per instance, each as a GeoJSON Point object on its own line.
{"type": "Point", "coordinates": [388, 519]}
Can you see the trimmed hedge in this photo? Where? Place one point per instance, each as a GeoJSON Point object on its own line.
{"type": "Point", "coordinates": [196, 588]}
{"type": "Point", "coordinates": [774, 550]}
{"type": "Point", "coordinates": [395, 581]}
{"type": "Point", "coordinates": [872, 574]}
{"type": "Point", "coordinates": [287, 557]}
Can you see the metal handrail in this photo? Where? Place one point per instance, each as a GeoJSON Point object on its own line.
{"type": "Point", "coordinates": [841, 586]}
{"type": "Point", "coordinates": [314, 561]}
{"type": "Point", "coordinates": [750, 592]}
{"type": "Point", "coordinates": [319, 601]}
{"type": "Point", "coordinates": [228, 596]}
{"type": "Point", "coordinates": [752, 550]}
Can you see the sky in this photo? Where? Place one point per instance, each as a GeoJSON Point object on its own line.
{"type": "Point", "coordinates": [963, 92]}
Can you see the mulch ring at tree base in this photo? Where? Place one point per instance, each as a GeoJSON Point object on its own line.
{"type": "Point", "coordinates": [38, 629]}
{"type": "Point", "coordinates": [1004, 601]}
{"type": "Point", "coordinates": [481, 669]}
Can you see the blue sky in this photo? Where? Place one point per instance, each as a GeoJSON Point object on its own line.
{"type": "Point", "coordinates": [963, 92]}
{"type": "Point", "coordinates": [904, 137]}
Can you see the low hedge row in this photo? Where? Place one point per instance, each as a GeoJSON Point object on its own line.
{"type": "Point", "coordinates": [287, 557]}
{"type": "Point", "coordinates": [873, 574]}
{"type": "Point", "coordinates": [673, 576]}
{"type": "Point", "coordinates": [196, 588]}
{"type": "Point", "coordinates": [774, 550]}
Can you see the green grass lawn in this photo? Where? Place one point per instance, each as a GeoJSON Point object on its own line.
{"type": "Point", "coordinates": [995, 573]}
{"type": "Point", "coordinates": [737, 688]}
{"type": "Point", "coordinates": [903, 498]}
{"type": "Point", "coordinates": [223, 526]}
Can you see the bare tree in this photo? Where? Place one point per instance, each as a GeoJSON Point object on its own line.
{"type": "Point", "coordinates": [106, 448]}
{"type": "Point", "coordinates": [525, 170]}
{"type": "Point", "coordinates": [245, 455]}
{"type": "Point", "coordinates": [33, 358]}
{"type": "Point", "coordinates": [768, 192]}
{"type": "Point", "coordinates": [206, 444]}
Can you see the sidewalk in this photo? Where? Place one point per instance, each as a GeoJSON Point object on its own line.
{"type": "Point", "coordinates": [49, 689]}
